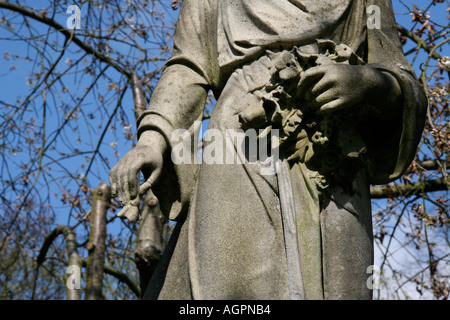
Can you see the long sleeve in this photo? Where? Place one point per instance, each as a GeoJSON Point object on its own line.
{"type": "Point", "coordinates": [180, 95]}
{"type": "Point", "coordinates": [392, 144]}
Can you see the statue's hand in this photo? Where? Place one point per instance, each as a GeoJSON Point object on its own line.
{"type": "Point", "coordinates": [338, 86]}
{"type": "Point", "coordinates": [147, 154]}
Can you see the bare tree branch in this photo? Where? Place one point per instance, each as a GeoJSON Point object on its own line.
{"type": "Point", "coordinates": [122, 277]}
{"type": "Point", "coordinates": [72, 252]}
{"type": "Point", "coordinates": [68, 34]}
{"type": "Point", "coordinates": [97, 242]}
{"type": "Point", "coordinates": [421, 43]}
{"type": "Point", "coordinates": [407, 190]}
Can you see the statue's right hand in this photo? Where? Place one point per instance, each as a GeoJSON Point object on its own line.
{"type": "Point", "coordinates": [123, 177]}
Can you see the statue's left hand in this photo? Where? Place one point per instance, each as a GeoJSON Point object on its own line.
{"type": "Point", "coordinates": [334, 87]}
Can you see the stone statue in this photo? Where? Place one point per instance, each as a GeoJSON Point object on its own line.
{"type": "Point", "coordinates": [348, 110]}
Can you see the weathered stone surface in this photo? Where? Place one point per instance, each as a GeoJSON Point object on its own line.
{"type": "Point", "coordinates": [349, 111]}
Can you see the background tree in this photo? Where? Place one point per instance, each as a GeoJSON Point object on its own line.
{"type": "Point", "coordinates": [411, 227]}
{"type": "Point", "coordinates": [67, 115]}
{"type": "Point", "coordinates": [69, 101]}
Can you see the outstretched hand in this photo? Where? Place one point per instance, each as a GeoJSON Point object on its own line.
{"type": "Point", "coordinates": [123, 177]}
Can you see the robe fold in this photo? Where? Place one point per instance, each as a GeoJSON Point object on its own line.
{"type": "Point", "coordinates": [229, 242]}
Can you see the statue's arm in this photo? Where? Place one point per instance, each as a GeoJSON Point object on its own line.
{"type": "Point", "coordinates": [394, 143]}
{"type": "Point", "coordinates": [177, 101]}
{"type": "Point", "coordinates": [180, 95]}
